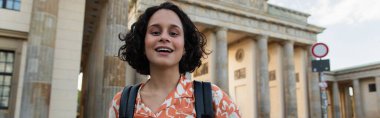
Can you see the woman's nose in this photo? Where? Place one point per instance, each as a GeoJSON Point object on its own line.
{"type": "Point", "coordinates": [165, 37]}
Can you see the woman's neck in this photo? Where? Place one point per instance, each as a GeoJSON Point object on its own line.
{"type": "Point", "coordinates": [163, 78]}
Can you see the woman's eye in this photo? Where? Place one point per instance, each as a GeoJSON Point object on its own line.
{"type": "Point", "coordinates": [155, 33]}
{"type": "Point", "coordinates": [173, 34]}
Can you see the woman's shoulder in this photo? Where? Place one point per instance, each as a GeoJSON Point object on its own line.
{"type": "Point", "coordinates": [219, 95]}
{"type": "Point", "coordinates": [223, 104]}
{"type": "Point", "coordinates": [114, 107]}
{"type": "Point", "coordinates": [116, 100]}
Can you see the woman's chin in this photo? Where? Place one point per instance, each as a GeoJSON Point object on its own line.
{"type": "Point", "coordinates": [165, 63]}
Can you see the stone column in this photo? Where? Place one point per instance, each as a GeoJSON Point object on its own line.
{"type": "Point", "coordinates": [377, 79]}
{"type": "Point", "coordinates": [114, 70]}
{"type": "Point", "coordinates": [314, 90]}
{"type": "Point", "coordinates": [305, 83]}
{"type": "Point", "coordinates": [280, 80]}
{"type": "Point", "coordinates": [336, 99]}
{"type": "Point", "coordinates": [358, 100]}
{"type": "Point", "coordinates": [348, 102]}
{"type": "Point", "coordinates": [221, 62]}
{"type": "Point", "coordinates": [263, 77]}
{"type": "Point", "coordinates": [290, 81]}
{"type": "Point", "coordinates": [39, 60]}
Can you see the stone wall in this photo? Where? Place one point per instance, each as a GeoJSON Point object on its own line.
{"type": "Point", "coordinates": [300, 69]}
{"type": "Point", "coordinates": [19, 48]}
{"type": "Point", "coordinates": [370, 109]}
{"type": "Point", "coordinates": [242, 74]}
{"type": "Point", "coordinates": [275, 80]}
{"type": "Point", "coordinates": [17, 20]}
{"type": "Point", "coordinates": [63, 100]}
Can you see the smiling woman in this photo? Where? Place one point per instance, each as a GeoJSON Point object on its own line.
{"type": "Point", "coordinates": [134, 49]}
{"type": "Point", "coordinates": [164, 40]}
{"type": "Point", "coordinates": [165, 44]}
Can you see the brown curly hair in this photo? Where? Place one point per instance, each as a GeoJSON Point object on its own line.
{"type": "Point", "coordinates": [133, 49]}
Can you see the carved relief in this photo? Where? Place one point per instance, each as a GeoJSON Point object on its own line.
{"type": "Point", "coordinates": [246, 5]}
{"type": "Point", "coordinates": [239, 56]}
{"type": "Point", "coordinates": [274, 27]}
{"type": "Point", "coordinates": [239, 74]}
{"type": "Point", "coordinates": [272, 75]}
{"type": "Point", "coordinates": [258, 3]}
{"type": "Point", "coordinates": [253, 23]}
{"type": "Point", "coordinates": [264, 25]}
{"type": "Point", "coordinates": [282, 29]}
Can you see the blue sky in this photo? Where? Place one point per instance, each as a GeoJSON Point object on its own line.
{"type": "Point", "coordinates": [352, 28]}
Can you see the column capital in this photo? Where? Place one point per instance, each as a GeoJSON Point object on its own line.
{"type": "Point", "coordinates": [335, 82]}
{"type": "Point", "coordinates": [262, 36]}
{"type": "Point", "coordinates": [221, 34]}
{"type": "Point", "coordinates": [289, 42]}
{"type": "Point", "coordinates": [219, 28]}
{"type": "Point", "coordinates": [263, 40]}
{"type": "Point", "coordinates": [307, 47]}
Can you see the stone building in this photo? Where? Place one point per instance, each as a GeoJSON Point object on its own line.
{"type": "Point", "coordinates": [260, 56]}
{"type": "Point", "coordinates": [354, 92]}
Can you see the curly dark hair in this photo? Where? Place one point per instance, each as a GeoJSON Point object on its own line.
{"type": "Point", "coordinates": [133, 49]}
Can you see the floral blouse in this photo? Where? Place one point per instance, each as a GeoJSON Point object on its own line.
{"type": "Point", "coordinates": [180, 104]}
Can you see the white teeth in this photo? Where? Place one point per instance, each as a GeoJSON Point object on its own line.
{"type": "Point", "coordinates": [164, 50]}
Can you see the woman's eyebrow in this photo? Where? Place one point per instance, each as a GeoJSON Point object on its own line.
{"type": "Point", "coordinates": [175, 26]}
{"type": "Point", "coordinates": [155, 25]}
{"type": "Point", "coordinates": [171, 26]}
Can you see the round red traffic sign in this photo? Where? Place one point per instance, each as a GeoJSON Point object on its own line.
{"type": "Point", "coordinates": [319, 50]}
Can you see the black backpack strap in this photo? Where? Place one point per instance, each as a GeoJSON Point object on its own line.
{"type": "Point", "coordinates": [207, 100]}
{"type": "Point", "coordinates": [198, 94]}
{"type": "Point", "coordinates": [132, 100]}
{"type": "Point", "coordinates": [123, 101]}
{"type": "Point", "coordinates": [127, 101]}
{"type": "Point", "coordinates": [203, 99]}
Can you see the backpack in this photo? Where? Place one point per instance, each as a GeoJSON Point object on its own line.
{"type": "Point", "coordinates": [202, 92]}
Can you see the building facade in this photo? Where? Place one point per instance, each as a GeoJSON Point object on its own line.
{"type": "Point", "coordinates": [260, 56]}
{"type": "Point", "coordinates": [354, 92]}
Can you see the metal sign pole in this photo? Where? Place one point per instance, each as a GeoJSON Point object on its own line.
{"type": "Point", "coordinates": [323, 96]}
{"type": "Point", "coordinates": [320, 50]}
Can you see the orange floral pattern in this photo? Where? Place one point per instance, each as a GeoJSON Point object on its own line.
{"type": "Point", "coordinates": [180, 104]}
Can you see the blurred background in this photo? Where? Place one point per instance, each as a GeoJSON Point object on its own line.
{"type": "Point", "coordinates": [58, 58]}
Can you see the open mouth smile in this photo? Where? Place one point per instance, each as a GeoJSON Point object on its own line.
{"type": "Point", "coordinates": [164, 49]}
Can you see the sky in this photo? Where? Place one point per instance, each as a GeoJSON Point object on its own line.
{"type": "Point", "coordinates": [352, 28]}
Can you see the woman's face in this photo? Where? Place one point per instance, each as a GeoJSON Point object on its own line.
{"type": "Point", "coordinates": [164, 39]}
